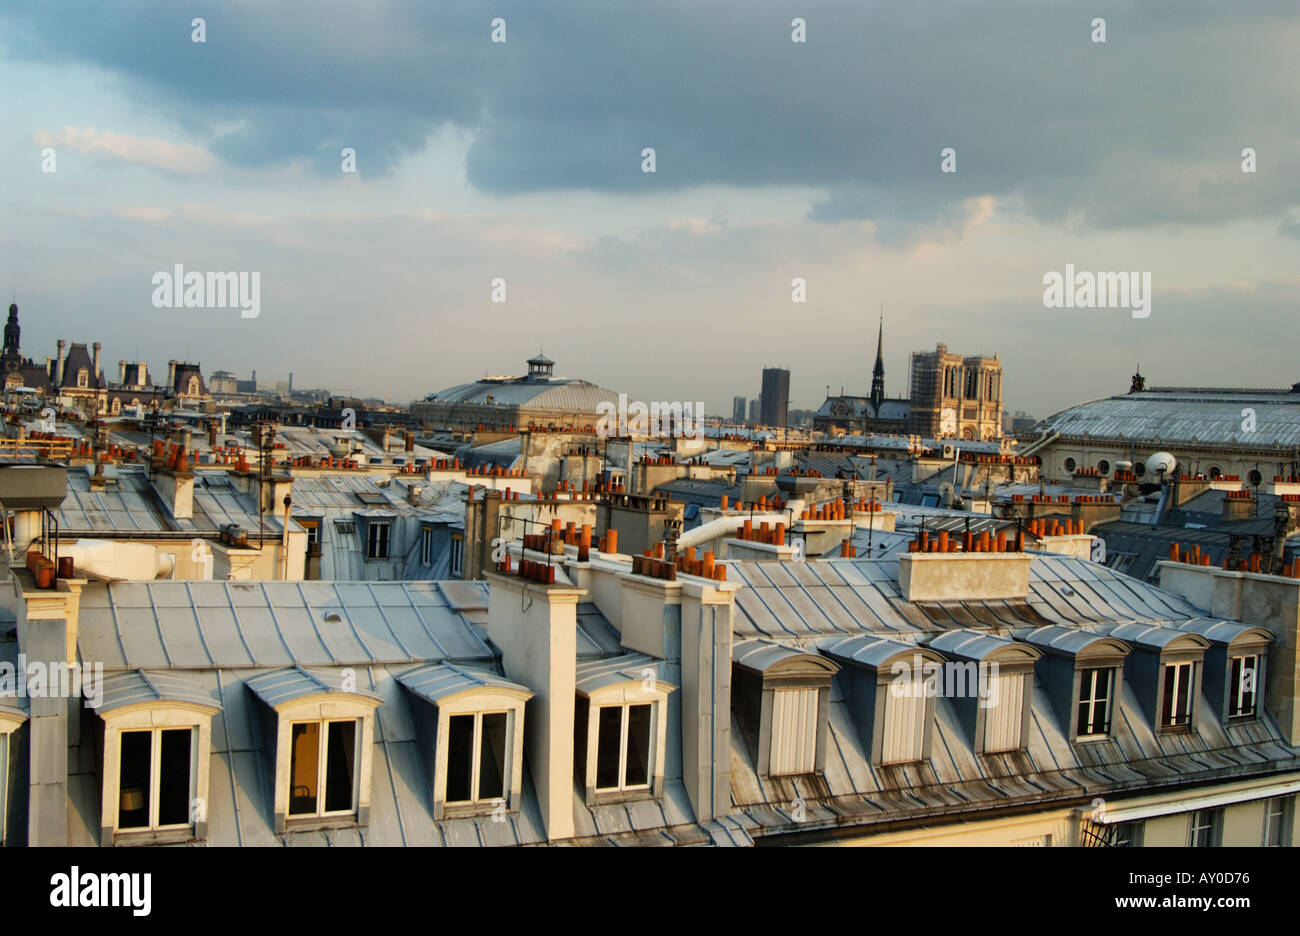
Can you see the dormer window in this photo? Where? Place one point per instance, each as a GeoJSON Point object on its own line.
{"type": "Point", "coordinates": [1179, 684]}
{"type": "Point", "coordinates": [156, 778]}
{"type": "Point", "coordinates": [1236, 666]}
{"type": "Point", "coordinates": [1165, 672]}
{"type": "Point", "coordinates": [83, 379]}
{"type": "Point", "coordinates": [471, 736]}
{"type": "Point", "coordinates": [157, 739]}
{"type": "Point", "coordinates": [780, 702]}
{"type": "Point", "coordinates": [376, 540]}
{"type": "Point", "coordinates": [620, 728]}
{"type": "Point", "coordinates": [989, 680]}
{"type": "Point", "coordinates": [1096, 702]}
{"type": "Point", "coordinates": [887, 686]}
{"type": "Point", "coordinates": [323, 767]}
{"type": "Point", "coordinates": [1243, 686]}
{"type": "Point", "coordinates": [426, 545]}
{"type": "Point", "coordinates": [323, 733]}
{"type": "Point", "coordinates": [1083, 674]}
{"type": "Point", "coordinates": [624, 747]}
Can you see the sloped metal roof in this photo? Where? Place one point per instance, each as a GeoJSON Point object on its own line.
{"type": "Point", "coordinates": [761, 655]}
{"type": "Point", "coordinates": [973, 645]}
{"type": "Point", "coordinates": [628, 667]}
{"type": "Point", "coordinates": [203, 625]}
{"type": "Point", "coordinates": [871, 652]}
{"type": "Point", "coordinates": [292, 683]}
{"type": "Point", "coordinates": [1065, 640]}
{"type": "Point", "coordinates": [138, 685]}
{"type": "Point", "coordinates": [1186, 416]}
{"type": "Point", "coordinates": [440, 680]}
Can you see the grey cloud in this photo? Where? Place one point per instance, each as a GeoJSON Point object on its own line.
{"type": "Point", "coordinates": [1143, 130]}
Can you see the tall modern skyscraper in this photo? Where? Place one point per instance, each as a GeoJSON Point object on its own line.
{"type": "Point", "coordinates": [753, 411]}
{"type": "Point", "coordinates": [738, 409]}
{"type": "Point", "coordinates": [775, 408]}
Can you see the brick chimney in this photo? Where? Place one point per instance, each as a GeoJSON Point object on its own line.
{"type": "Point", "coordinates": [94, 376]}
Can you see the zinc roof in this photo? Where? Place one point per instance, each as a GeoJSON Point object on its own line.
{"type": "Point", "coordinates": [204, 625]}
{"type": "Point", "coordinates": [138, 685]}
{"type": "Point", "coordinates": [1186, 416]}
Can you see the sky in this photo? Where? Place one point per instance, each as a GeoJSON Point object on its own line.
{"type": "Point", "coordinates": [775, 161]}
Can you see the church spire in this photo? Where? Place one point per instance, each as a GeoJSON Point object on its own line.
{"type": "Point", "coordinates": [878, 373]}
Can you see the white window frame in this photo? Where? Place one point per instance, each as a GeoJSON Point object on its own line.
{"type": "Point", "coordinates": [652, 692]}
{"type": "Point", "coordinates": [1208, 820]}
{"type": "Point", "coordinates": [1179, 667]}
{"type": "Point", "coordinates": [83, 379]}
{"type": "Point", "coordinates": [426, 545]}
{"type": "Point", "coordinates": [1093, 699]}
{"type": "Point", "coordinates": [1235, 693]}
{"type": "Point", "coordinates": [457, 553]}
{"type": "Point", "coordinates": [155, 778]}
{"type": "Point", "coordinates": [476, 758]}
{"type": "Point", "coordinates": [323, 707]}
{"type": "Point", "coordinates": [1282, 818]}
{"type": "Point", "coordinates": [623, 786]}
{"type": "Point", "coordinates": [322, 763]}
{"type": "Point", "coordinates": [373, 538]}
{"type": "Point", "coordinates": [155, 716]}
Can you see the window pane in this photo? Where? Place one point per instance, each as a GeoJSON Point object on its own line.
{"type": "Point", "coordinates": [460, 757]}
{"type": "Point", "coordinates": [133, 791]}
{"type": "Point", "coordinates": [492, 757]}
{"type": "Point", "coordinates": [339, 768]}
{"type": "Point", "coordinates": [608, 739]}
{"type": "Point", "coordinates": [1176, 701]}
{"type": "Point", "coordinates": [174, 777]}
{"type": "Point", "coordinates": [304, 768]}
{"type": "Point", "coordinates": [638, 745]}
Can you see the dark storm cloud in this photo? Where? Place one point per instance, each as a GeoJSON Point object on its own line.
{"type": "Point", "coordinates": [1145, 129]}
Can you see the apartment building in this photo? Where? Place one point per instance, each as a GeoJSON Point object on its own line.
{"type": "Point", "coordinates": [773, 702]}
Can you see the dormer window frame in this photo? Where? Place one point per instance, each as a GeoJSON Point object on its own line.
{"type": "Point", "coordinates": [787, 735]}
{"type": "Point", "coordinates": [1245, 678]}
{"type": "Point", "coordinates": [444, 692]}
{"type": "Point", "coordinates": [1017, 664]}
{"type": "Point", "coordinates": [1069, 659]}
{"type": "Point", "coordinates": [1088, 692]}
{"type": "Point", "coordinates": [477, 703]}
{"type": "Point", "coordinates": [323, 711]}
{"type": "Point", "coordinates": [295, 696]}
{"type": "Point", "coordinates": [883, 741]}
{"type": "Point", "coordinates": [156, 717]}
{"type": "Point", "coordinates": [623, 696]}
{"type": "Point", "coordinates": [1227, 665]}
{"type": "Point", "coordinates": [1186, 671]}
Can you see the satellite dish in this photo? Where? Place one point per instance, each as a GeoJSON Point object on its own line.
{"type": "Point", "coordinates": [1161, 462]}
